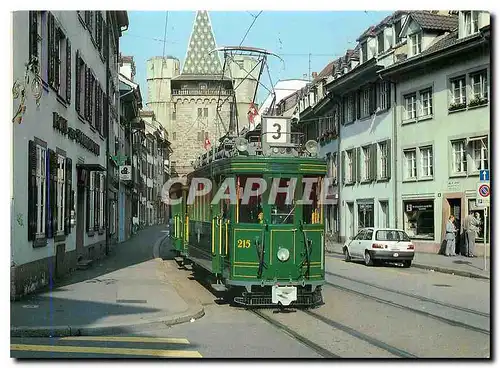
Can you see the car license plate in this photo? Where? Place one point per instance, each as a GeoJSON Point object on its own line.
{"type": "Point", "coordinates": [284, 294]}
{"type": "Point", "coordinates": [396, 255]}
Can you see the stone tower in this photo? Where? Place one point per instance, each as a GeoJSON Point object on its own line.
{"type": "Point", "coordinates": [185, 102]}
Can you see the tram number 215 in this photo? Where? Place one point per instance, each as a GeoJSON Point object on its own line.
{"type": "Point", "coordinates": [243, 243]}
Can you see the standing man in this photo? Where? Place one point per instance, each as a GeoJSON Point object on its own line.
{"type": "Point", "coordinates": [450, 236]}
{"type": "Point", "coordinates": [471, 230]}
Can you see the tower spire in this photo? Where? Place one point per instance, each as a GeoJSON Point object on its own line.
{"type": "Point", "coordinates": [201, 41]}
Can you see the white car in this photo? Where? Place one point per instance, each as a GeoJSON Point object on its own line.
{"type": "Point", "coordinates": [380, 244]}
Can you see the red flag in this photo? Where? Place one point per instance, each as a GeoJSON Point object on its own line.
{"type": "Point", "coordinates": [252, 113]}
{"type": "Point", "coordinates": [207, 143]}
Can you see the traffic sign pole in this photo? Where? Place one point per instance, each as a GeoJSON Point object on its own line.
{"type": "Point", "coordinates": [484, 234]}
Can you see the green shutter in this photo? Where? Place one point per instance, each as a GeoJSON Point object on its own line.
{"type": "Point", "coordinates": [87, 201]}
{"type": "Point", "coordinates": [78, 86]}
{"type": "Point", "coordinates": [68, 70]}
{"type": "Point", "coordinates": [389, 159]}
{"type": "Point", "coordinates": [68, 205]}
{"type": "Point", "coordinates": [357, 152]}
{"type": "Point", "coordinates": [33, 30]}
{"type": "Point", "coordinates": [374, 161]}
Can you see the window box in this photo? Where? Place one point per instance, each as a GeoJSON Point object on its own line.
{"type": "Point", "coordinates": [457, 106]}
{"type": "Point", "coordinates": [478, 101]}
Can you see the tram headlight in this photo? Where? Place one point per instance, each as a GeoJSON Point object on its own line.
{"type": "Point", "coordinates": [283, 254]}
{"type": "Point", "coordinates": [241, 144]}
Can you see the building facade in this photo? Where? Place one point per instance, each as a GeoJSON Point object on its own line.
{"type": "Point", "coordinates": [443, 123]}
{"type": "Point", "coordinates": [59, 140]}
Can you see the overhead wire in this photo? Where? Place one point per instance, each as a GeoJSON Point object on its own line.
{"type": "Point", "coordinates": [249, 28]}
{"type": "Point", "coordinates": [163, 55]}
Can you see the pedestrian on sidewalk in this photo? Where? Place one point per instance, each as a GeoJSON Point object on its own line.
{"type": "Point", "coordinates": [471, 232]}
{"type": "Point", "coordinates": [450, 236]}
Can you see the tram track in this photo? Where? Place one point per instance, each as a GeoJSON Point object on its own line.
{"type": "Point", "coordinates": [415, 296]}
{"type": "Point", "coordinates": [415, 310]}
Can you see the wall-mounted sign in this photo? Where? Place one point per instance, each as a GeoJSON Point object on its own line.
{"type": "Point", "coordinates": [419, 206]}
{"type": "Point", "coordinates": [126, 172]}
{"type": "Point", "coordinates": [60, 124]}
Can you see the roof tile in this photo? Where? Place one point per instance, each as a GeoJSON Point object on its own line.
{"type": "Point", "coordinates": [436, 22]}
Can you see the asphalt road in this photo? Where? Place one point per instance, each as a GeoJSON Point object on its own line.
{"type": "Point", "coordinates": [369, 312]}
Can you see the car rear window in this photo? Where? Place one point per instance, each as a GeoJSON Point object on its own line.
{"type": "Point", "coordinates": [391, 235]}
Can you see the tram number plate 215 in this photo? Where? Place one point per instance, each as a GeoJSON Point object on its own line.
{"type": "Point", "coordinates": [242, 243]}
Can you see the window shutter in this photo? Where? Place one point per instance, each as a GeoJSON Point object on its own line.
{"type": "Point", "coordinates": [389, 87]}
{"type": "Point", "coordinates": [68, 195]}
{"type": "Point", "coordinates": [33, 46]}
{"type": "Point", "coordinates": [357, 104]}
{"type": "Point", "coordinates": [50, 47]}
{"type": "Point", "coordinates": [373, 98]}
{"type": "Point", "coordinates": [57, 60]}
{"type": "Point", "coordinates": [87, 92]}
{"type": "Point", "coordinates": [78, 86]}
{"type": "Point", "coordinates": [389, 160]}
{"type": "Point", "coordinates": [342, 167]}
{"type": "Point", "coordinates": [374, 160]}
{"type": "Point", "coordinates": [358, 164]}
{"type": "Point", "coordinates": [68, 70]}
{"type": "Point", "coordinates": [87, 204]}
{"type": "Point", "coordinates": [49, 203]}
{"type": "Point", "coordinates": [32, 191]}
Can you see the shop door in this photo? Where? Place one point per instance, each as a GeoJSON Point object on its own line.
{"type": "Point", "coordinates": [456, 210]}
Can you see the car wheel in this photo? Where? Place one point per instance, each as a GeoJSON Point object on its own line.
{"type": "Point", "coordinates": [406, 264]}
{"type": "Point", "coordinates": [368, 259]}
{"type": "Point", "coordinates": [347, 256]}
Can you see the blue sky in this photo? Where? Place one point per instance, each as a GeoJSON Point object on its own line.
{"type": "Point", "coordinates": [324, 34]}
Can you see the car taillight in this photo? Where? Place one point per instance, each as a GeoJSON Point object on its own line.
{"type": "Point", "coordinates": [411, 246]}
{"type": "Point", "coordinates": [375, 245]}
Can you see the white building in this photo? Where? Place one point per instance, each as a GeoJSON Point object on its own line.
{"type": "Point", "coordinates": [59, 140]}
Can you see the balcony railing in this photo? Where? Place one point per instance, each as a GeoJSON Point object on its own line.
{"type": "Point", "coordinates": [201, 92]}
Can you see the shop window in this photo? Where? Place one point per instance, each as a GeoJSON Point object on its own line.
{"type": "Point", "coordinates": [479, 212]}
{"type": "Point", "coordinates": [419, 219]}
{"type": "Point", "coordinates": [365, 215]}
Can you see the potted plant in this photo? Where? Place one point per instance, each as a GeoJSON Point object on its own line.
{"type": "Point", "coordinates": [478, 101]}
{"type": "Point", "coordinates": [457, 106]}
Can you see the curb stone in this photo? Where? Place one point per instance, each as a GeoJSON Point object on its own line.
{"type": "Point", "coordinates": [63, 331]}
{"type": "Point", "coordinates": [436, 269]}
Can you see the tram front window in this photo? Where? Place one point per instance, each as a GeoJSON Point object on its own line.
{"type": "Point", "coordinates": [283, 210]}
{"type": "Point", "coordinates": [249, 212]}
{"type": "Point", "coordinates": [311, 212]}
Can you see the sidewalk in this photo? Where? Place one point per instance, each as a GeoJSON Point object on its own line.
{"type": "Point", "coordinates": [134, 296]}
{"type": "Point", "coordinates": [459, 265]}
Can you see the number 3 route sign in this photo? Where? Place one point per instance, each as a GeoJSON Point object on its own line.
{"type": "Point", "coordinates": [483, 192]}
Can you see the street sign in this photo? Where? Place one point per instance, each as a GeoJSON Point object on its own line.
{"type": "Point", "coordinates": [483, 193]}
{"type": "Point", "coordinates": [484, 175]}
{"type": "Point", "coordinates": [126, 172]}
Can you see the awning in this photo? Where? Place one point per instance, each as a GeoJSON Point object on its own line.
{"type": "Point", "coordinates": [91, 167]}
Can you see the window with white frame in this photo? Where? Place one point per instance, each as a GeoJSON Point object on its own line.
{"type": "Point", "coordinates": [426, 102]}
{"type": "Point", "coordinates": [380, 41]}
{"type": "Point", "coordinates": [471, 22]}
{"type": "Point", "coordinates": [410, 106]}
{"type": "Point", "coordinates": [366, 162]}
{"type": "Point", "coordinates": [458, 90]}
{"type": "Point", "coordinates": [459, 156]}
{"type": "Point", "coordinates": [92, 199]}
{"type": "Point", "coordinates": [364, 52]}
{"type": "Point", "coordinates": [479, 153]}
{"type": "Point", "coordinates": [410, 163]}
{"type": "Point", "coordinates": [101, 201]}
{"type": "Point", "coordinates": [479, 85]}
{"type": "Point", "coordinates": [349, 166]}
{"type": "Point", "coordinates": [383, 95]}
{"type": "Point", "coordinates": [61, 194]}
{"type": "Point", "coordinates": [349, 109]}
{"type": "Point", "coordinates": [383, 159]}
{"type": "Point", "coordinates": [426, 168]}
{"type": "Point", "coordinates": [365, 103]}
{"type": "Point", "coordinates": [41, 191]}
{"type": "Point", "coordinates": [416, 43]}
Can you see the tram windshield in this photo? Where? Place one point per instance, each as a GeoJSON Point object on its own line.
{"type": "Point", "coordinates": [249, 211]}
{"type": "Point", "coordinates": [312, 212]}
{"type": "Point", "coordinates": [283, 208]}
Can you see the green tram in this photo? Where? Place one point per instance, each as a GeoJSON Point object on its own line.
{"type": "Point", "coordinates": [260, 253]}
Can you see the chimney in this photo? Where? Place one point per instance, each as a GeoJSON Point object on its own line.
{"type": "Point", "coordinates": [314, 75]}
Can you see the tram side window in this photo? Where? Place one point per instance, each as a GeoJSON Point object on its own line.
{"type": "Point", "coordinates": [248, 212]}
{"type": "Point", "coordinates": [311, 212]}
{"type": "Point", "coordinates": [281, 211]}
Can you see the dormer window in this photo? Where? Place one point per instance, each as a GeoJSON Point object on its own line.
{"type": "Point", "coordinates": [416, 44]}
{"type": "Point", "coordinates": [397, 31]}
{"type": "Point", "coordinates": [380, 41]}
{"type": "Point", "coordinates": [364, 52]}
{"type": "Point", "coordinates": [471, 22]}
